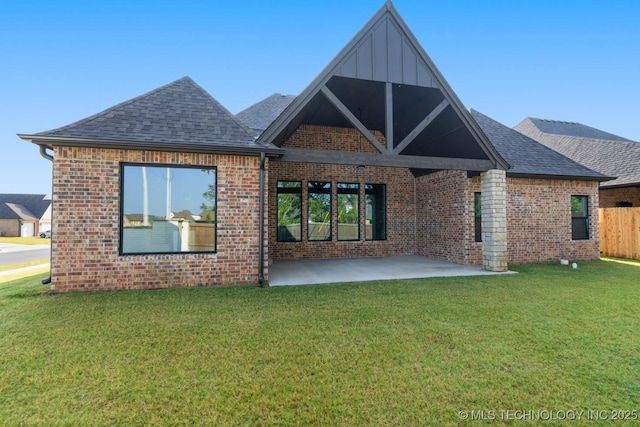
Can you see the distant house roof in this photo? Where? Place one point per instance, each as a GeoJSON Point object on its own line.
{"type": "Point", "coordinates": [606, 153]}
{"type": "Point", "coordinates": [578, 130]}
{"type": "Point", "coordinates": [528, 157]}
{"type": "Point", "coordinates": [23, 206]}
{"type": "Point", "coordinates": [180, 116]}
{"type": "Point", "coordinates": [261, 114]}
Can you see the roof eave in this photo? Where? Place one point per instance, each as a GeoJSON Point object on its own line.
{"type": "Point", "coordinates": [51, 141]}
{"type": "Point", "coordinates": [563, 177]}
{"type": "Point", "coordinates": [626, 185]}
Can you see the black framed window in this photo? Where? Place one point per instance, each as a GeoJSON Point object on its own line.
{"type": "Point", "coordinates": [319, 219]}
{"type": "Point", "coordinates": [579, 217]}
{"type": "Point", "coordinates": [167, 209]}
{"type": "Point", "coordinates": [477, 213]}
{"type": "Point", "coordinates": [375, 211]}
{"type": "Point", "coordinates": [348, 211]}
{"type": "Point", "coordinates": [289, 211]}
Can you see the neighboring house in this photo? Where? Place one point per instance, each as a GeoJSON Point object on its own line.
{"type": "Point", "coordinates": [598, 150]}
{"type": "Point", "coordinates": [24, 215]}
{"type": "Point", "coordinates": [377, 156]}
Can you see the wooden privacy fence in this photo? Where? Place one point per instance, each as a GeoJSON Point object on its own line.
{"type": "Point", "coordinates": [620, 232]}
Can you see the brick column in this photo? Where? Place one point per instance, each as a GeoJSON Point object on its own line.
{"type": "Point", "coordinates": [494, 220]}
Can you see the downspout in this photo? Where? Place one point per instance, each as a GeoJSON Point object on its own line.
{"type": "Point", "coordinates": [261, 225]}
{"type": "Point", "coordinates": [43, 153]}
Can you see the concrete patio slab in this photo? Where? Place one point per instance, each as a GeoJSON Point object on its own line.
{"type": "Point", "coordinates": [313, 272]}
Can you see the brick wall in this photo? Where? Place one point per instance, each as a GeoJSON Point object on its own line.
{"type": "Point", "coordinates": [86, 212]}
{"type": "Point", "coordinates": [538, 219]}
{"type": "Point", "coordinates": [9, 227]}
{"type": "Point", "coordinates": [445, 221]}
{"type": "Point", "coordinates": [400, 193]}
{"type": "Point", "coordinates": [610, 198]}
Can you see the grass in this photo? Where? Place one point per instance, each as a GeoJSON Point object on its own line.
{"type": "Point", "coordinates": [25, 240]}
{"type": "Point", "coordinates": [414, 352]}
{"type": "Point", "coordinates": [23, 264]}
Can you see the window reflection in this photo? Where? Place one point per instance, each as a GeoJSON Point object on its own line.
{"type": "Point", "coordinates": [168, 209]}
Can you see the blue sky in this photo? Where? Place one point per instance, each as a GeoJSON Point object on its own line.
{"type": "Point", "coordinates": [65, 60]}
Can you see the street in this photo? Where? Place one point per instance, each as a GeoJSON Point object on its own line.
{"type": "Point", "coordinates": [14, 254]}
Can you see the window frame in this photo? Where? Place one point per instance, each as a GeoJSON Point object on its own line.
{"type": "Point", "coordinates": [288, 190]}
{"type": "Point", "coordinates": [368, 191]}
{"type": "Point", "coordinates": [327, 191]}
{"type": "Point", "coordinates": [586, 219]}
{"type": "Point", "coordinates": [345, 190]}
{"type": "Point", "coordinates": [121, 198]}
{"type": "Point", "coordinates": [477, 216]}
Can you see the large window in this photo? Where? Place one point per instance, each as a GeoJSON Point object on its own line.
{"type": "Point", "coordinates": [376, 212]}
{"type": "Point", "coordinates": [319, 210]}
{"type": "Point", "coordinates": [477, 213]}
{"type": "Point", "coordinates": [289, 211]}
{"type": "Point", "coordinates": [579, 217]}
{"type": "Point", "coordinates": [167, 209]}
{"type": "Point", "coordinates": [348, 212]}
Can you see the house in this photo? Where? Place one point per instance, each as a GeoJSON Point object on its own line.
{"type": "Point", "coordinates": [24, 215]}
{"type": "Point", "coordinates": [598, 150]}
{"type": "Point", "coordinates": [376, 156]}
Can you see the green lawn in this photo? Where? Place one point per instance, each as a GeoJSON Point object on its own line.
{"type": "Point", "coordinates": [25, 240]}
{"type": "Point", "coordinates": [413, 352]}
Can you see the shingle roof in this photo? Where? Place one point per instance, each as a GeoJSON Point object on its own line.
{"type": "Point", "coordinates": [579, 130]}
{"type": "Point", "coordinates": [23, 206]}
{"type": "Point", "coordinates": [613, 157]}
{"type": "Point", "coordinates": [177, 115]}
{"type": "Point", "coordinates": [528, 157]}
{"type": "Point", "coordinates": [260, 115]}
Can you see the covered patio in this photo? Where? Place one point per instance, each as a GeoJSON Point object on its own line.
{"type": "Point", "coordinates": [322, 271]}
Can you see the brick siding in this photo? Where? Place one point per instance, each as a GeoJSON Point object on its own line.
{"type": "Point", "coordinates": [86, 208]}
{"type": "Point", "coordinates": [432, 215]}
{"type": "Point", "coordinates": [10, 228]}
{"type": "Point", "coordinates": [445, 222]}
{"type": "Point", "coordinates": [400, 193]}
{"type": "Point", "coordinates": [610, 198]}
{"type": "Point", "coordinates": [538, 219]}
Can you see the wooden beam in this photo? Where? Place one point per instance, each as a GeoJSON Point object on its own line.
{"type": "Point", "coordinates": [421, 126]}
{"type": "Point", "coordinates": [389, 116]}
{"type": "Point", "coordinates": [352, 119]}
{"type": "Point", "coordinates": [301, 155]}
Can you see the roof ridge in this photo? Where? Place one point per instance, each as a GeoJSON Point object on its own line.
{"type": "Point", "coordinates": [118, 106]}
{"type": "Point", "coordinates": [222, 107]}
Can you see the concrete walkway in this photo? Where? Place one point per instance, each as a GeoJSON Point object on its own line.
{"type": "Point", "coordinates": [312, 272]}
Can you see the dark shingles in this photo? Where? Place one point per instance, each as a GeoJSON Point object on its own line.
{"type": "Point", "coordinates": [15, 206]}
{"type": "Point", "coordinates": [528, 157]}
{"type": "Point", "coordinates": [612, 157]}
{"type": "Point", "coordinates": [178, 113]}
{"type": "Point", "coordinates": [261, 114]}
{"type": "Point", "coordinates": [578, 130]}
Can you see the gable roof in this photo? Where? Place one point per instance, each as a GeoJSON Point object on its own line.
{"type": "Point", "coordinates": [528, 157]}
{"type": "Point", "coordinates": [384, 54]}
{"type": "Point", "coordinates": [180, 116]}
{"type": "Point", "coordinates": [618, 157]}
{"type": "Point", "coordinates": [261, 114]}
{"type": "Point", "coordinates": [23, 206]}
